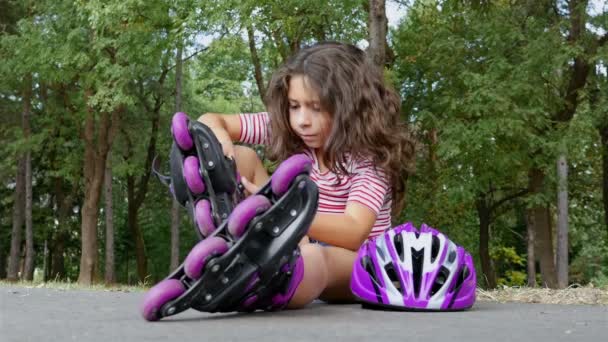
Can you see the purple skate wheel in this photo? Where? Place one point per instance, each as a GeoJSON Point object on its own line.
{"type": "Point", "coordinates": [193, 176]}
{"type": "Point", "coordinates": [247, 303]}
{"type": "Point", "coordinates": [245, 212]}
{"type": "Point", "coordinates": [199, 255]}
{"type": "Point", "coordinates": [179, 129]}
{"type": "Point", "coordinates": [287, 171]}
{"type": "Point", "coordinates": [204, 220]}
{"type": "Point", "coordinates": [159, 295]}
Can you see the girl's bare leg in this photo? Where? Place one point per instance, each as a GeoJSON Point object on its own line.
{"type": "Point", "coordinates": [339, 263]}
{"type": "Point", "coordinates": [327, 272]}
{"type": "Point", "coordinates": [315, 276]}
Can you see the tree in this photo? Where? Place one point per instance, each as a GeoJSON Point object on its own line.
{"type": "Point", "coordinates": [18, 208]}
{"type": "Point", "coordinates": [277, 29]}
{"type": "Point", "coordinates": [174, 204]}
{"type": "Point", "coordinates": [466, 61]}
{"type": "Point", "coordinates": [13, 14]}
{"type": "Point", "coordinates": [582, 45]}
{"type": "Point", "coordinates": [377, 27]}
{"type": "Point", "coordinates": [29, 233]}
{"type": "Point", "coordinates": [562, 222]}
{"type": "Point", "coordinates": [110, 272]}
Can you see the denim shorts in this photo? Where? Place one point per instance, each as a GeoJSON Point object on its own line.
{"type": "Point", "coordinates": [320, 243]}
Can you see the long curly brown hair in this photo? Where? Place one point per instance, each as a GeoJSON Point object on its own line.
{"type": "Point", "coordinates": [365, 113]}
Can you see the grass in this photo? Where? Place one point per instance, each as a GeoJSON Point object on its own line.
{"type": "Point", "coordinates": [574, 294]}
{"type": "Point", "coordinates": [62, 285]}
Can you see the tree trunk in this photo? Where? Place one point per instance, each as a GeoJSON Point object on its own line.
{"type": "Point", "coordinates": [487, 268]}
{"type": "Point", "coordinates": [57, 254]}
{"type": "Point", "coordinates": [174, 261]}
{"type": "Point", "coordinates": [178, 79]}
{"type": "Point", "coordinates": [257, 66]}
{"type": "Point", "coordinates": [96, 151]}
{"type": "Point", "coordinates": [604, 138]}
{"type": "Point", "coordinates": [92, 189]}
{"type": "Point", "coordinates": [45, 261]}
{"type": "Point", "coordinates": [12, 273]}
{"type": "Point", "coordinates": [175, 207]}
{"type": "Point", "coordinates": [30, 254]}
{"type": "Point", "coordinates": [22, 262]}
{"type": "Point", "coordinates": [62, 235]}
{"type": "Point", "coordinates": [542, 231]}
{"type": "Point", "coordinates": [530, 242]}
{"type": "Point", "coordinates": [3, 260]}
{"type": "Point", "coordinates": [92, 181]}
{"type": "Point", "coordinates": [137, 195]}
{"type": "Point", "coordinates": [29, 233]}
{"type": "Point", "coordinates": [377, 27]}
{"type": "Point", "coordinates": [562, 222]}
{"type": "Point", "coordinates": [110, 274]}
{"type": "Point", "coordinates": [136, 233]}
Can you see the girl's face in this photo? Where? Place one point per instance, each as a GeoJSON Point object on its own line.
{"type": "Point", "coordinates": [306, 117]}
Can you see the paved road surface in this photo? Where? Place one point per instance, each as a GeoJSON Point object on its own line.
{"type": "Point", "coordinates": [39, 314]}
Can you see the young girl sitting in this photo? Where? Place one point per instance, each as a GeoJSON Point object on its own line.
{"type": "Point", "coordinates": [329, 102]}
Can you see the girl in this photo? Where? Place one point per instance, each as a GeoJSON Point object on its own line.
{"type": "Point", "coordinates": [329, 102]}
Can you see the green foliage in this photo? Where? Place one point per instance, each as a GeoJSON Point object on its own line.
{"type": "Point", "coordinates": [223, 79]}
{"type": "Point", "coordinates": [513, 278]}
{"type": "Point", "coordinates": [600, 280]}
{"type": "Point", "coordinates": [480, 80]}
{"type": "Point", "coordinates": [510, 266]}
{"type": "Point", "coordinates": [480, 84]}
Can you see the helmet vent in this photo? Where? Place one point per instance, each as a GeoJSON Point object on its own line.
{"type": "Point", "coordinates": [452, 257]}
{"type": "Point", "coordinates": [435, 248]}
{"type": "Point", "coordinates": [440, 279]}
{"type": "Point", "coordinates": [366, 262]}
{"type": "Point", "coordinates": [464, 273]}
{"type": "Point", "coordinates": [392, 275]}
{"type": "Point", "coordinates": [368, 266]}
{"type": "Point", "coordinates": [398, 243]}
{"type": "Point", "coordinates": [381, 254]}
{"type": "Point", "coordinates": [417, 262]}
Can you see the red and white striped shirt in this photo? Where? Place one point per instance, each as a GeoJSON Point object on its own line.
{"type": "Point", "coordinates": [364, 184]}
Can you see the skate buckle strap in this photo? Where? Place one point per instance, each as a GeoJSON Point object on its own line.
{"type": "Point", "coordinates": [166, 180]}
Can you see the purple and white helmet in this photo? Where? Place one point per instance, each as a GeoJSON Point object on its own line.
{"type": "Point", "coordinates": [407, 269]}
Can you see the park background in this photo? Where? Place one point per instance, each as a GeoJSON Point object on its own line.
{"type": "Point", "coordinates": [506, 99]}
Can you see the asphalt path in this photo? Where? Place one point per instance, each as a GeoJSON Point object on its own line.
{"type": "Point", "coordinates": [43, 314]}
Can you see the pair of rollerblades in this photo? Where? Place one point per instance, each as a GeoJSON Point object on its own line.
{"type": "Point", "coordinates": [248, 256]}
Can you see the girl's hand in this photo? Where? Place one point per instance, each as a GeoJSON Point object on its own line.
{"type": "Point", "coordinates": [250, 188]}
{"type": "Point", "coordinates": [224, 138]}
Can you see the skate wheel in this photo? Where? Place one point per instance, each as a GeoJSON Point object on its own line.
{"type": "Point", "coordinates": [199, 255]}
{"type": "Point", "coordinates": [245, 212]}
{"type": "Point", "coordinates": [204, 220]}
{"type": "Point", "coordinates": [179, 129]}
{"type": "Point", "coordinates": [247, 303]}
{"type": "Point", "coordinates": [159, 295]}
{"type": "Point", "coordinates": [192, 175]}
{"type": "Point", "coordinates": [287, 171]}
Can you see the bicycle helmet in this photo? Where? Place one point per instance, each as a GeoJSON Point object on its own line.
{"type": "Point", "coordinates": [407, 269]}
